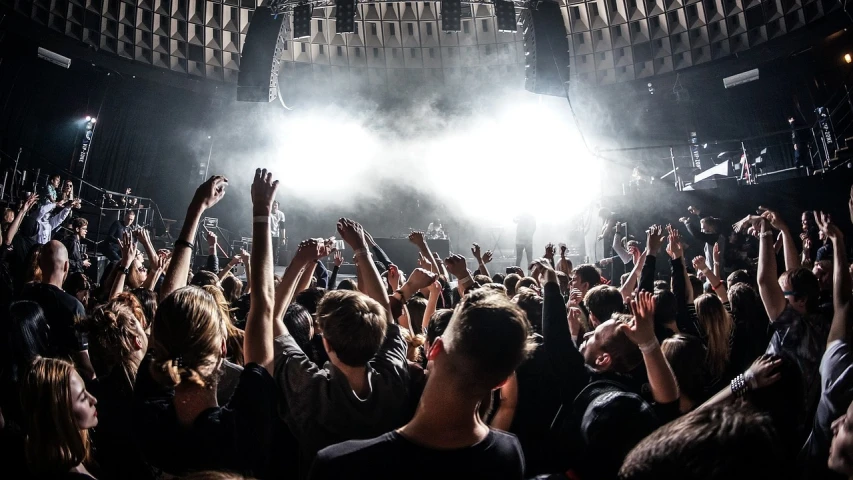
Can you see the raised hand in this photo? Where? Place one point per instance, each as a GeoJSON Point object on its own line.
{"type": "Point", "coordinates": [211, 239]}
{"type": "Point", "coordinates": [211, 192]}
{"type": "Point", "coordinates": [550, 250]}
{"type": "Point", "coordinates": [675, 249]}
{"type": "Point", "coordinates": [747, 222]}
{"type": "Point", "coordinates": [456, 266]}
{"type": "Point", "coordinates": [422, 278]}
{"type": "Point", "coordinates": [310, 251]}
{"type": "Point", "coordinates": [764, 371]}
{"type": "Point", "coordinates": [423, 262]}
{"type": "Point", "coordinates": [717, 256]}
{"type": "Point", "coordinates": [475, 250]}
{"type": "Point", "coordinates": [575, 298]}
{"type": "Point", "coordinates": [699, 264]}
{"type": "Point", "coordinates": [339, 258]}
{"type": "Point", "coordinates": [128, 249]}
{"type": "Point", "coordinates": [263, 192]}
{"type": "Point", "coordinates": [772, 217]}
{"type": "Point", "coordinates": [28, 204]}
{"type": "Point", "coordinates": [824, 223]}
{"type": "Point", "coordinates": [654, 239]}
{"type": "Point", "coordinates": [641, 328]}
{"type": "Point", "coordinates": [352, 233]}
{"type": "Point", "coordinates": [434, 288]}
{"type": "Point", "coordinates": [394, 277]}
{"type": "Point", "coordinates": [683, 220]}
{"type": "Point", "coordinates": [245, 255]}
{"type": "Point", "coordinates": [487, 257]}
{"type": "Point", "coordinates": [417, 238]}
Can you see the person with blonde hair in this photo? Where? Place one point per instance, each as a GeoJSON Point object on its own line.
{"type": "Point", "coordinates": [188, 430]}
{"type": "Point", "coordinates": [59, 414]}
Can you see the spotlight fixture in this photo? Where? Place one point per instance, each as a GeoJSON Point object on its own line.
{"type": "Point", "coordinates": [505, 14]}
{"type": "Point", "coordinates": [93, 120]}
{"type": "Point", "coordinates": [302, 20]}
{"type": "Point", "coordinates": [451, 15]}
{"type": "Point", "coordinates": [88, 119]}
{"type": "Point", "coordinates": [345, 16]}
{"type": "Point", "coordinates": [848, 58]}
{"type": "Point", "coordinates": [651, 88]}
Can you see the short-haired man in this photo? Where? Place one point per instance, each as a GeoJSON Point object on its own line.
{"type": "Point", "coordinates": [362, 391]}
{"type": "Point", "coordinates": [602, 302]}
{"type": "Point", "coordinates": [709, 232]}
{"type": "Point", "coordinates": [76, 258]}
{"type": "Point", "coordinates": [486, 340]}
{"type": "Point", "coordinates": [116, 233]}
{"type": "Point", "coordinates": [48, 221]}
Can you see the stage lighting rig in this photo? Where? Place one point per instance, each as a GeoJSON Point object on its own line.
{"type": "Point", "coordinates": [345, 16]}
{"type": "Point", "coordinates": [505, 14]}
{"type": "Point", "coordinates": [302, 20]}
{"type": "Point", "coordinates": [451, 15]}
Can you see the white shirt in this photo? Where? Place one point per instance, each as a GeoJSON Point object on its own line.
{"type": "Point", "coordinates": [275, 217]}
{"type": "Point", "coordinates": [47, 224]}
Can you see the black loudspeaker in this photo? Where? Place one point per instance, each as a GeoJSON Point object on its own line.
{"type": "Point", "coordinates": [95, 272]}
{"type": "Point", "coordinates": [546, 49]}
{"type": "Point", "coordinates": [259, 63]}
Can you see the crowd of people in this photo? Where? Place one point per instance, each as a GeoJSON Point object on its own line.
{"type": "Point", "coordinates": [732, 364]}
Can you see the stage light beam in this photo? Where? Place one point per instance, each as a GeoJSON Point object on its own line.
{"type": "Point", "coordinates": [848, 58]}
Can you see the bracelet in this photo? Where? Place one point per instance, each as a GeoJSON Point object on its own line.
{"type": "Point", "coordinates": [649, 346]}
{"type": "Point", "coordinates": [765, 234]}
{"type": "Point", "coordinates": [739, 386]}
{"type": "Point", "coordinates": [718, 285]}
{"type": "Point", "coordinates": [749, 378]}
{"type": "Point", "coordinates": [261, 219]}
{"type": "Point", "coordinates": [184, 243]}
{"type": "Point", "coordinates": [361, 252]}
{"type": "Point", "coordinates": [465, 280]}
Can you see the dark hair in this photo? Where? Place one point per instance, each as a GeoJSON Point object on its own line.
{"type": "Point", "coordinates": [603, 301]}
{"type": "Point", "coordinates": [232, 287]}
{"type": "Point", "coordinates": [482, 279]}
{"type": "Point", "coordinates": [686, 355]}
{"type": "Point", "coordinates": [348, 284]}
{"type": "Point", "coordinates": [693, 446]}
{"type": "Point", "coordinates": [714, 223]}
{"type": "Point", "coordinates": [298, 322]}
{"type": "Point", "coordinates": [698, 286]}
{"type": "Point", "coordinates": [310, 298]}
{"type": "Point", "coordinates": [76, 282]}
{"type": "Point", "coordinates": [353, 325]}
{"type": "Point", "coordinates": [148, 301]}
{"type": "Point", "coordinates": [746, 303]}
{"type": "Point", "coordinates": [203, 278]}
{"type": "Point", "coordinates": [665, 308]}
{"type": "Point", "coordinates": [438, 324]}
{"type": "Point", "coordinates": [417, 307]}
{"type": "Point", "coordinates": [531, 304]}
{"type": "Point", "coordinates": [804, 284]}
{"type": "Point", "coordinates": [79, 222]}
{"type": "Point", "coordinates": [738, 276]}
{"type": "Point", "coordinates": [511, 282]}
{"type": "Point", "coordinates": [588, 274]}
{"type": "Point", "coordinates": [662, 285]}
{"type": "Point", "coordinates": [624, 354]}
{"type": "Point", "coordinates": [498, 278]}
{"type": "Point", "coordinates": [25, 333]}
{"type": "Point", "coordinates": [526, 282]}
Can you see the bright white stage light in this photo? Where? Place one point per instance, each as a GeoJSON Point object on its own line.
{"type": "Point", "coordinates": [94, 120]}
{"type": "Point", "coordinates": [88, 119]}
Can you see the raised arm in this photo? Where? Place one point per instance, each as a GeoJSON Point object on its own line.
{"type": "Point", "coordinates": [235, 260]}
{"type": "Point", "coordinates": [763, 372]}
{"type": "Point", "coordinates": [440, 263]}
{"type": "Point", "coordinates": [692, 228]}
{"type": "Point", "coordinates": [719, 286]}
{"type": "Point", "coordinates": [158, 267]}
{"type": "Point", "coordinates": [620, 250]}
{"type": "Point", "coordinates": [681, 286]}
{"type": "Point", "coordinates": [718, 261]}
{"type": "Point", "coordinates": [258, 339]}
{"type": "Point", "coordinates": [792, 258]}
{"type": "Point", "coordinates": [432, 304]}
{"type": "Point", "coordinates": [631, 283]}
{"type": "Point", "coordinates": [654, 240]}
{"type": "Point", "coordinates": [369, 280]}
{"type": "Point", "coordinates": [842, 296]}
{"type": "Point", "coordinates": [457, 266]}
{"type": "Point", "coordinates": [207, 195]}
{"type": "Point", "coordinates": [418, 239]}
{"type": "Point", "coordinates": [481, 264]}
{"type": "Point", "coordinates": [307, 253]}
{"type": "Point", "coordinates": [641, 331]}
{"type": "Point", "coordinates": [768, 285]}
{"type": "Point", "coordinates": [145, 239]}
{"type": "Point", "coordinates": [19, 217]}
{"type": "Point", "coordinates": [333, 280]}
{"type": "Point", "coordinates": [128, 256]}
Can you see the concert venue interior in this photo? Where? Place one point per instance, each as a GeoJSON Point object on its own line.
{"type": "Point", "coordinates": [456, 118]}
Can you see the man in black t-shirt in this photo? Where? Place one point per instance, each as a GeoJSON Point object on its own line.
{"type": "Point", "coordinates": [60, 309]}
{"type": "Point", "coordinates": [485, 341]}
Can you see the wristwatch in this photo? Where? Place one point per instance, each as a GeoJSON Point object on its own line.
{"type": "Point", "coordinates": [126, 270]}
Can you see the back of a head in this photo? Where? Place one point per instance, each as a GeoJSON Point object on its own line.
{"type": "Point", "coordinates": [348, 284]}
{"type": "Point", "coordinates": [76, 282]}
{"type": "Point", "coordinates": [232, 287]}
{"type": "Point", "coordinates": [588, 274]}
{"type": "Point", "coordinates": [310, 298]}
{"type": "Point", "coordinates": [186, 338]}
{"type": "Point", "coordinates": [499, 278]}
{"type": "Point", "coordinates": [299, 324]}
{"type": "Point", "coordinates": [603, 301]}
{"type": "Point", "coordinates": [526, 282]}
{"type": "Point", "coordinates": [203, 278]}
{"type": "Point", "coordinates": [717, 325]}
{"type": "Point", "coordinates": [745, 300]}
{"type": "Point", "coordinates": [662, 285]}
{"type": "Point", "coordinates": [54, 443]}
{"type": "Point", "coordinates": [113, 330]}
{"type": "Point", "coordinates": [686, 355]}
{"type": "Point", "coordinates": [739, 276]}
{"type": "Point", "coordinates": [531, 303]}
{"type": "Point", "coordinates": [482, 279]}
{"type": "Point", "coordinates": [665, 307]}
{"type": "Point", "coordinates": [26, 336]}
{"type": "Point", "coordinates": [485, 341]}
{"type": "Point", "coordinates": [720, 442]}
{"type": "Point", "coordinates": [353, 324]}
{"type": "Point", "coordinates": [149, 301]}
{"type": "Point", "coordinates": [804, 285]}
{"type": "Point", "coordinates": [438, 324]}
{"type": "Point", "coordinates": [698, 286]}
{"type": "Point", "coordinates": [53, 258]}
{"type": "Point", "coordinates": [416, 307]}
{"type": "Point", "coordinates": [511, 283]}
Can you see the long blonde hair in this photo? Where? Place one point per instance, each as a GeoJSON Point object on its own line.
{"type": "Point", "coordinates": [112, 336]}
{"type": "Point", "coordinates": [717, 325]}
{"type": "Point", "coordinates": [186, 338]}
{"type": "Point", "coordinates": [234, 342]}
{"type": "Point", "coordinates": [54, 443]}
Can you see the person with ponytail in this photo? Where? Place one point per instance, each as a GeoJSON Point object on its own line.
{"type": "Point", "coordinates": [180, 424]}
{"type": "Point", "coordinates": [59, 412]}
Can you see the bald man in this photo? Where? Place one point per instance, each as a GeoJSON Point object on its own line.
{"type": "Point", "coordinates": [60, 309]}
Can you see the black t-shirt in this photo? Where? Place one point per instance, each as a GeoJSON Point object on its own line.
{"type": "Point", "coordinates": [392, 456]}
{"type": "Point", "coordinates": [61, 311]}
{"type": "Point", "coordinates": [236, 437]}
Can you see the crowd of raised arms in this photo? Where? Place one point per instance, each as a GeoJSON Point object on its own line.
{"type": "Point", "coordinates": [735, 366]}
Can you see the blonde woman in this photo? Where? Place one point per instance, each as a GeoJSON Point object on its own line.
{"type": "Point", "coordinates": [60, 412]}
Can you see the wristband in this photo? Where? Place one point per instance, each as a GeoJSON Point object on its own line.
{"type": "Point", "coordinates": [718, 285]}
{"type": "Point", "coordinates": [649, 346]}
{"type": "Point", "coordinates": [465, 280]}
{"type": "Point", "coordinates": [125, 271]}
{"type": "Point", "coordinates": [749, 378]}
{"type": "Point", "coordinates": [739, 386]}
{"type": "Point", "coordinates": [261, 219]}
{"type": "Point", "coordinates": [361, 252]}
{"type": "Point", "coordinates": [184, 243]}
{"type": "Point", "coordinates": [765, 234]}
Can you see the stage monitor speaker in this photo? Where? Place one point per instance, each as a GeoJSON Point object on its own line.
{"type": "Point", "coordinates": [546, 49]}
{"type": "Point", "coordinates": [260, 60]}
{"type": "Point", "coordinates": [95, 272]}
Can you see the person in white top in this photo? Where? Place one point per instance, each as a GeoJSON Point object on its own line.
{"type": "Point", "coordinates": [277, 230]}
